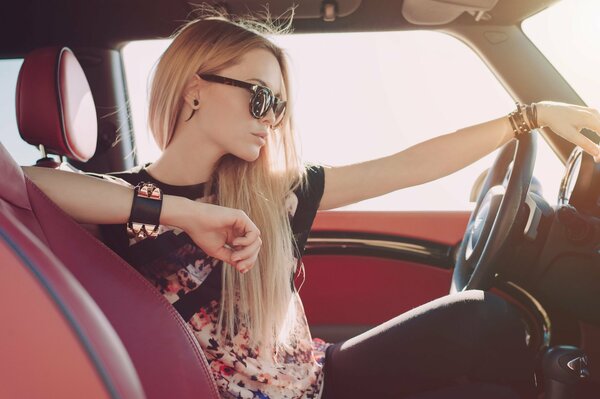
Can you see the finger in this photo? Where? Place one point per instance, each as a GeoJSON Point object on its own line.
{"type": "Point", "coordinates": [577, 138]}
{"type": "Point", "coordinates": [247, 239]}
{"type": "Point", "coordinates": [247, 264]}
{"type": "Point", "coordinates": [594, 111]}
{"type": "Point", "coordinates": [224, 254]}
{"type": "Point", "coordinates": [247, 251]}
{"type": "Point", "coordinates": [591, 120]}
{"type": "Point", "coordinates": [243, 224]}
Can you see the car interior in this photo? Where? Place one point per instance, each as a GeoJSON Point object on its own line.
{"type": "Point", "coordinates": [81, 322]}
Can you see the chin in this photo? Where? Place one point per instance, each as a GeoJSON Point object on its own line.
{"type": "Point", "coordinates": [249, 156]}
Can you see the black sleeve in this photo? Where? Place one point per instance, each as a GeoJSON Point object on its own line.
{"type": "Point", "coordinates": [309, 199]}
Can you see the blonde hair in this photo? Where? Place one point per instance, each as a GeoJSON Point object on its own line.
{"type": "Point", "coordinates": [260, 299]}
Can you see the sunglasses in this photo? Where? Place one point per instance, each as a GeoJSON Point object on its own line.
{"type": "Point", "coordinates": [262, 98]}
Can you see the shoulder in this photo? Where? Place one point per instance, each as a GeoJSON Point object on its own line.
{"type": "Point", "coordinates": [304, 202]}
{"type": "Point", "coordinates": [312, 184]}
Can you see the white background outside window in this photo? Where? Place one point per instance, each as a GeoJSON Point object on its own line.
{"type": "Point", "coordinates": [361, 96]}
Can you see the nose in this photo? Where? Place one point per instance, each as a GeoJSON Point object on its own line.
{"type": "Point", "coordinates": [268, 118]}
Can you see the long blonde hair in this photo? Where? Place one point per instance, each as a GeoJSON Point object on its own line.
{"type": "Point", "coordinates": [260, 299]}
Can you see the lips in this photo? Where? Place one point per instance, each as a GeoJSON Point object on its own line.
{"type": "Point", "coordinates": [262, 136]}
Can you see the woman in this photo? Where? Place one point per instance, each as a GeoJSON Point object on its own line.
{"type": "Point", "coordinates": [237, 207]}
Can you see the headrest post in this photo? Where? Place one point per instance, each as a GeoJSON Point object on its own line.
{"type": "Point", "coordinates": [43, 150]}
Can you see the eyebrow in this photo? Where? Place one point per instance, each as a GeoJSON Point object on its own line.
{"type": "Point", "coordinates": [266, 85]}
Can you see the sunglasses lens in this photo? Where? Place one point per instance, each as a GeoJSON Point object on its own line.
{"type": "Point", "coordinates": [279, 110]}
{"type": "Point", "coordinates": [261, 102]}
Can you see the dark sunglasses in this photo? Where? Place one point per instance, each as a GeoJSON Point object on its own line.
{"type": "Point", "coordinates": [262, 98]}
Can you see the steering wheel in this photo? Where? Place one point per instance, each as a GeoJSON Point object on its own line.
{"type": "Point", "coordinates": [503, 194]}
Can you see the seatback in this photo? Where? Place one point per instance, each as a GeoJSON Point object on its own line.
{"type": "Point", "coordinates": [162, 348]}
{"type": "Point", "coordinates": [167, 357]}
{"type": "Point", "coordinates": [55, 340]}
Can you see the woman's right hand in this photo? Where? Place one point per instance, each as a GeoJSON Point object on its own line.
{"type": "Point", "coordinates": [223, 233]}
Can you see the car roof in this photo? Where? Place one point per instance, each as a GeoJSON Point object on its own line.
{"type": "Point", "coordinates": [29, 24]}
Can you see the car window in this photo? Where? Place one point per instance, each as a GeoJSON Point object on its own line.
{"type": "Point", "coordinates": [22, 152]}
{"type": "Point", "coordinates": [360, 96]}
{"type": "Point", "coordinates": [572, 47]}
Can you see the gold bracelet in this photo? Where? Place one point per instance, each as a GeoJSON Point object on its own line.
{"type": "Point", "coordinates": [523, 119]}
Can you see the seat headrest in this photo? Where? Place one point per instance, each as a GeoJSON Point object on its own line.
{"type": "Point", "coordinates": [55, 107]}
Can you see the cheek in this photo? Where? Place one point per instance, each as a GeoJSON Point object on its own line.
{"type": "Point", "coordinates": [228, 123]}
{"type": "Point", "coordinates": [229, 112]}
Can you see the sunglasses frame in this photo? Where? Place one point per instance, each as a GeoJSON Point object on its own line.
{"type": "Point", "coordinates": [273, 102]}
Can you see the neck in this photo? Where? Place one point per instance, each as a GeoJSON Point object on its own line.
{"type": "Point", "coordinates": [184, 162]}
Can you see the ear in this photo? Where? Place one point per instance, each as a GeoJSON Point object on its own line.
{"type": "Point", "coordinates": [192, 92]}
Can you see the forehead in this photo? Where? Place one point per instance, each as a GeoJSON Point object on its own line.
{"type": "Point", "coordinates": [258, 65]}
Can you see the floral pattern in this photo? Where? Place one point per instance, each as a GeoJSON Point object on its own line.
{"type": "Point", "coordinates": [240, 371]}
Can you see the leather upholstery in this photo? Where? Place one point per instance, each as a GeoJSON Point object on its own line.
{"type": "Point", "coordinates": [166, 356]}
{"type": "Point", "coordinates": [14, 192]}
{"type": "Point", "coordinates": [54, 102]}
{"type": "Point", "coordinates": [65, 345]}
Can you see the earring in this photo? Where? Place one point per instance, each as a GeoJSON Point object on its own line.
{"type": "Point", "coordinates": [192, 114]}
{"type": "Point", "coordinates": [196, 103]}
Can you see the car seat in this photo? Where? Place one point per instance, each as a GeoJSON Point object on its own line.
{"type": "Point", "coordinates": [162, 349]}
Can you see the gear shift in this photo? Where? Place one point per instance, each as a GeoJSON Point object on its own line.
{"type": "Point", "coordinates": [564, 367]}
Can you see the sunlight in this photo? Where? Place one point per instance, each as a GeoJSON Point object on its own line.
{"type": "Point", "coordinates": [360, 96]}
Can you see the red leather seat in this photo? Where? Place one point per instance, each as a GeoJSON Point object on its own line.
{"type": "Point", "coordinates": [54, 105]}
{"type": "Point", "coordinates": [55, 340]}
{"type": "Point", "coordinates": [165, 355]}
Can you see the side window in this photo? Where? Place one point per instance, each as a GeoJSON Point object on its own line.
{"type": "Point", "coordinates": [22, 152]}
{"type": "Point", "coordinates": [139, 58]}
{"type": "Point", "coordinates": [360, 96]}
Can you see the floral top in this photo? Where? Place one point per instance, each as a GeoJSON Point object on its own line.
{"type": "Point", "coordinates": [191, 281]}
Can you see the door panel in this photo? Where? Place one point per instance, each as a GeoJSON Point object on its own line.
{"type": "Point", "coordinates": [440, 227]}
{"type": "Point", "coordinates": [363, 268]}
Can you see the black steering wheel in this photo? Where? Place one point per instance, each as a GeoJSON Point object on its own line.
{"type": "Point", "coordinates": [503, 194]}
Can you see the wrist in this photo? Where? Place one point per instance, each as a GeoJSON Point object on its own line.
{"type": "Point", "coordinates": [177, 211]}
{"type": "Point", "coordinates": [542, 112]}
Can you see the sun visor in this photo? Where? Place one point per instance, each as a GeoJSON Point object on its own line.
{"type": "Point", "coordinates": [439, 12]}
{"type": "Point", "coordinates": [305, 9]}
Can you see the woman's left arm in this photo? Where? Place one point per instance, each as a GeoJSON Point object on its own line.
{"type": "Point", "coordinates": [443, 155]}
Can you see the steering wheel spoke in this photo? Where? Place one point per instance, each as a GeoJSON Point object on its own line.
{"type": "Point", "coordinates": [504, 192]}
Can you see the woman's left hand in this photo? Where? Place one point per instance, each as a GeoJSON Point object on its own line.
{"type": "Point", "coordinates": [567, 120]}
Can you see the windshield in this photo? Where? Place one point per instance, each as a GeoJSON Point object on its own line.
{"type": "Point", "coordinates": [568, 33]}
{"type": "Point", "coordinates": [361, 96]}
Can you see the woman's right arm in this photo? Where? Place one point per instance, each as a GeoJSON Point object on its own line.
{"type": "Point", "coordinates": [223, 233]}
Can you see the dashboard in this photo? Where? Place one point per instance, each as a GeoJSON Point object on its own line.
{"type": "Point", "coordinates": [567, 272]}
